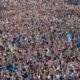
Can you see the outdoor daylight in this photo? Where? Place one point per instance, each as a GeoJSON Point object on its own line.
{"type": "Point", "coordinates": [39, 39]}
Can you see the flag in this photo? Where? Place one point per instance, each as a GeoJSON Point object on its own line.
{"type": "Point", "coordinates": [78, 43]}
{"type": "Point", "coordinates": [69, 36]}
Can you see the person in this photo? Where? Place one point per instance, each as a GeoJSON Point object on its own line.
{"type": "Point", "coordinates": [48, 77]}
{"type": "Point", "coordinates": [59, 77]}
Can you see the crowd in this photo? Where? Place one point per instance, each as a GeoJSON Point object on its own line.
{"type": "Point", "coordinates": [33, 44]}
{"type": "Point", "coordinates": [75, 2]}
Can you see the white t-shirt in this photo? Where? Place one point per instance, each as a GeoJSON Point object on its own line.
{"type": "Point", "coordinates": [49, 77]}
{"type": "Point", "coordinates": [58, 76]}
